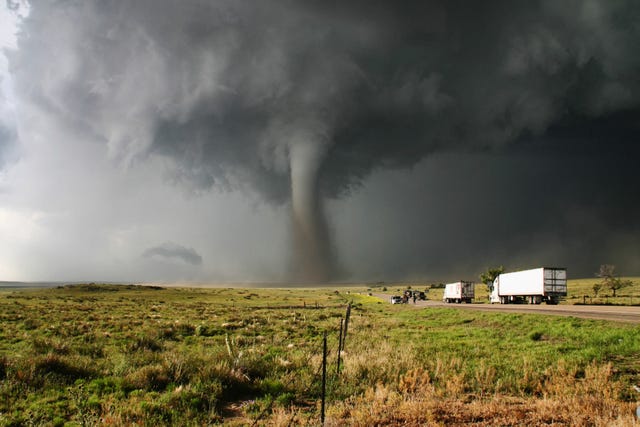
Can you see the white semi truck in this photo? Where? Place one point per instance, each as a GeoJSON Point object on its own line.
{"type": "Point", "coordinates": [459, 292]}
{"type": "Point", "coordinates": [530, 286]}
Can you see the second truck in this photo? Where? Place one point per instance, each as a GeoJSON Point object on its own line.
{"type": "Point", "coordinates": [545, 284]}
{"type": "Point", "coordinates": [459, 292]}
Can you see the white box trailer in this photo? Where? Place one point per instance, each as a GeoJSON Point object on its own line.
{"type": "Point", "coordinates": [547, 284]}
{"type": "Point", "coordinates": [459, 292]}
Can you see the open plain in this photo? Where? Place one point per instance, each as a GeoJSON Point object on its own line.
{"type": "Point", "coordinates": [149, 355]}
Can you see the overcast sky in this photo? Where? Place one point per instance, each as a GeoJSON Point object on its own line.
{"type": "Point", "coordinates": [232, 141]}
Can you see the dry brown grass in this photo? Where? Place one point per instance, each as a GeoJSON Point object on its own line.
{"type": "Point", "coordinates": [414, 400]}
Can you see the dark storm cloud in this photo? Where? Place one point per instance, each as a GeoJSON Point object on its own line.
{"type": "Point", "coordinates": [233, 93]}
{"type": "Point", "coordinates": [170, 250]}
{"type": "Point", "coordinates": [222, 87]}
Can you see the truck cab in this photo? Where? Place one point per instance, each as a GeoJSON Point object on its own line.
{"type": "Point", "coordinates": [494, 297]}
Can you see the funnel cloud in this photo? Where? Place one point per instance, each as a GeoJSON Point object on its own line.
{"type": "Point", "coordinates": [310, 109]}
{"type": "Point", "coordinates": [311, 247]}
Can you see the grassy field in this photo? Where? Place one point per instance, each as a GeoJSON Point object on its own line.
{"type": "Point", "coordinates": [581, 290]}
{"type": "Point", "coordinates": [131, 355]}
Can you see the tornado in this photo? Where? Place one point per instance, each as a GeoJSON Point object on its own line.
{"type": "Point", "coordinates": [312, 260]}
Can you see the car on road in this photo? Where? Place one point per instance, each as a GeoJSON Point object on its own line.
{"type": "Point", "coordinates": [396, 299]}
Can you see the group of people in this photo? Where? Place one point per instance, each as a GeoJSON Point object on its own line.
{"type": "Point", "coordinates": [409, 294]}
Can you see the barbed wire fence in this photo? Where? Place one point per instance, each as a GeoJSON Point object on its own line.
{"type": "Point", "coordinates": [320, 375]}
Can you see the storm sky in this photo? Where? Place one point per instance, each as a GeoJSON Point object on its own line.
{"type": "Point", "coordinates": [231, 141]}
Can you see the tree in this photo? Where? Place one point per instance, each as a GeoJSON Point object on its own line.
{"type": "Point", "coordinates": [490, 275]}
{"type": "Point", "coordinates": [596, 288]}
{"type": "Point", "coordinates": [610, 280]}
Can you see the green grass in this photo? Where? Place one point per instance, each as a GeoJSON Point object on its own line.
{"type": "Point", "coordinates": [158, 356]}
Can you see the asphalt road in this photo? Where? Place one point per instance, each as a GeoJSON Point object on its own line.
{"type": "Point", "coordinates": [604, 312]}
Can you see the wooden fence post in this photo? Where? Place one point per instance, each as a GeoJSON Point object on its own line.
{"type": "Point", "coordinates": [339, 347]}
{"type": "Point", "coordinates": [324, 376]}
{"type": "Point", "coordinates": [346, 325]}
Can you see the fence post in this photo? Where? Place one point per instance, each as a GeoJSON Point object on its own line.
{"type": "Point", "coordinates": [346, 325]}
{"type": "Point", "coordinates": [339, 347]}
{"type": "Point", "coordinates": [324, 376]}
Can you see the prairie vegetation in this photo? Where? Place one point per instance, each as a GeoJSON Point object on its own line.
{"type": "Point", "coordinates": [131, 355]}
{"type": "Point", "coordinates": [582, 291]}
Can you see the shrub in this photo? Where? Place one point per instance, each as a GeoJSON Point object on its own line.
{"type": "Point", "coordinates": [286, 399]}
{"type": "Point", "coordinates": [185, 329]}
{"type": "Point", "coordinates": [62, 370]}
{"type": "Point", "coordinates": [234, 382]}
{"type": "Point", "coordinates": [271, 386]}
{"type": "Point", "coordinates": [536, 336]}
{"type": "Point", "coordinates": [30, 324]}
{"type": "Point", "coordinates": [181, 367]}
{"type": "Point", "coordinates": [101, 386]}
{"type": "Point", "coordinates": [144, 343]}
{"type": "Point", "coordinates": [211, 392]}
{"type": "Point", "coordinates": [150, 378]}
{"type": "Point", "coordinates": [208, 331]}
{"type": "Point", "coordinates": [194, 400]}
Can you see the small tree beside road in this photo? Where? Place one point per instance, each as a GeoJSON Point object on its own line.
{"type": "Point", "coordinates": [596, 288]}
{"type": "Point", "coordinates": [610, 280]}
{"type": "Point", "coordinates": [490, 275]}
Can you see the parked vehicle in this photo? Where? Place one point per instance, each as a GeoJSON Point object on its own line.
{"type": "Point", "coordinates": [548, 284]}
{"type": "Point", "coordinates": [459, 292]}
{"type": "Point", "coordinates": [396, 299]}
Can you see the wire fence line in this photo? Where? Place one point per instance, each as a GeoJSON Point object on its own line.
{"type": "Point", "coordinates": [320, 374]}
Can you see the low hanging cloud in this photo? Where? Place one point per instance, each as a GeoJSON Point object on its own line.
{"type": "Point", "coordinates": [173, 252]}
